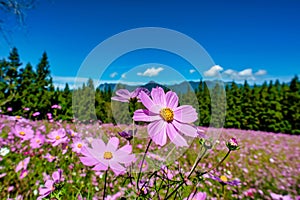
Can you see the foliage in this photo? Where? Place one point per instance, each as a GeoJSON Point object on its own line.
{"type": "Point", "coordinates": [269, 107]}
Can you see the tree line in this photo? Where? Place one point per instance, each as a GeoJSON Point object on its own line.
{"type": "Point", "coordinates": [25, 90]}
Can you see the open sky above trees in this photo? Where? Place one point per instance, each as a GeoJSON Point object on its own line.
{"type": "Point", "coordinates": [254, 40]}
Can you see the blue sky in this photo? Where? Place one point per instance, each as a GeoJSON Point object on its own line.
{"type": "Point", "coordinates": [254, 40]}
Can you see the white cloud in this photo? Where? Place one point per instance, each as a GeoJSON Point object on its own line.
{"type": "Point", "coordinates": [113, 75]}
{"type": "Point", "coordinates": [151, 72]}
{"type": "Point", "coordinates": [192, 71]}
{"type": "Point", "coordinates": [261, 72]}
{"type": "Point", "coordinates": [213, 71]}
{"type": "Point", "coordinates": [246, 72]}
{"type": "Point", "coordinates": [123, 75]}
{"type": "Point", "coordinates": [230, 72]}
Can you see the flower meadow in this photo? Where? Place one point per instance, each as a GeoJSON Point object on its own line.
{"type": "Point", "coordinates": [161, 155]}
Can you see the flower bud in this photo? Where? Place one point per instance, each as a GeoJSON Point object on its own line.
{"type": "Point", "coordinates": [232, 144]}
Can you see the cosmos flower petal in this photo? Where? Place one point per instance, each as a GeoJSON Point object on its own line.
{"type": "Point", "coordinates": [186, 129]}
{"type": "Point", "coordinates": [100, 167]}
{"type": "Point", "coordinates": [112, 144]}
{"type": "Point", "coordinates": [147, 102]}
{"type": "Point", "coordinates": [145, 116]}
{"type": "Point", "coordinates": [56, 176]}
{"type": "Point", "coordinates": [185, 114]}
{"type": "Point", "coordinates": [158, 96]}
{"type": "Point", "coordinates": [49, 183]}
{"type": "Point", "coordinates": [121, 99]}
{"type": "Point", "coordinates": [110, 156]}
{"type": "Point", "coordinates": [89, 161]}
{"type": "Point", "coordinates": [44, 191]}
{"type": "Point", "coordinates": [116, 167]}
{"type": "Point", "coordinates": [126, 159]}
{"type": "Point", "coordinates": [86, 151]}
{"type": "Point", "coordinates": [125, 149]}
{"type": "Point", "coordinates": [155, 127]}
{"type": "Point", "coordinates": [175, 137]}
{"type": "Point", "coordinates": [172, 100]}
{"type": "Point", "coordinates": [123, 93]}
{"type": "Point", "coordinates": [98, 145]}
{"type": "Point", "coordinates": [157, 132]}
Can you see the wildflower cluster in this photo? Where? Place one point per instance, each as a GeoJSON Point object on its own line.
{"type": "Point", "coordinates": [134, 161]}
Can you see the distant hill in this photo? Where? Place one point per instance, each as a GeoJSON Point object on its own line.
{"type": "Point", "coordinates": [182, 87]}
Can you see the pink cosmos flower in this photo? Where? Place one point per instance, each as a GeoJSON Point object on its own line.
{"type": "Point", "coordinates": [9, 109]}
{"type": "Point", "coordinates": [167, 119]}
{"type": "Point", "coordinates": [166, 172]}
{"type": "Point", "coordinates": [103, 156]}
{"type": "Point", "coordinates": [196, 196]}
{"type": "Point", "coordinates": [36, 114]}
{"type": "Point", "coordinates": [25, 133]}
{"type": "Point", "coordinates": [124, 95]}
{"type": "Point", "coordinates": [49, 157]}
{"type": "Point", "coordinates": [37, 141]}
{"type": "Point", "coordinates": [72, 133]}
{"type": "Point", "coordinates": [114, 196]}
{"type": "Point", "coordinates": [56, 107]}
{"type": "Point", "coordinates": [280, 197]}
{"type": "Point", "coordinates": [78, 145]}
{"type": "Point", "coordinates": [50, 184]}
{"type": "Point", "coordinates": [23, 174]}
{"type": "Point", "coordinates": [46, 190]}
{"type": "Point", "coordinates": [57, 137]}
{"type": "Point", "coordinates": [57, 176]}
{"type": "Point", "coordinates": [18, 119]}
{"type": "Point", "coordinates": [65, 147]}
{"type": "Point", "coordinates": [22, 164]}
{"type": "Point", "coordinates": [2, 175]}
{"type": "Point", "coordinates": [49, 115]}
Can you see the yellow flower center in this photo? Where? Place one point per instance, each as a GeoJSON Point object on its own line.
{"type": "Point", "coordinates": [18, 117]}
{"type": "Point", "coordinates": [167, 114]}
{"type": "Point", "coordinates": [22, 133]}
{"type": "Point", "coordinates": [25, 174]}
{"type": "Point", "coordinates": [224, 178]}
{"type": "Point", "coordinates": [107, 155]}
{"type": "Point", "coordinates": [79, 146]}
{"type": "Point", "coordinates": [144, 166]}
{"type": "Point", "coordinates": [38, 141]}
{"type": "Point", "coordinates": [57, 137]}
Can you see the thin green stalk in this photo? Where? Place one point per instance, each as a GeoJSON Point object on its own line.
{"type": "Point", "coordinates": [104, 190]}
{"type": "Point", "coordinates": [183, 181]}
{"type": "Point", "coordinates": [227, 154]}
{"type": "Point", "coordinates": [140, 171]}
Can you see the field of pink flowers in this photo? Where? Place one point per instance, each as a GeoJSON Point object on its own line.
{"type": "Point", "coordinates": [267, 165]}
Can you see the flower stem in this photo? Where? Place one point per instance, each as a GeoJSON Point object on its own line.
{"type": "Point", "coordinates": [195, 165]}
{"type": "Point", "coordinates": [140, 171]}
{"type": "Point", "coordinates": [193, 169]}
{"type": "Point", "coordinates": [227, 154]}
{"type": "Point", "coordinates": [104, 190]}
{"type": "Point", "coordinates": [223, 159]}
